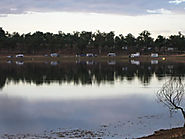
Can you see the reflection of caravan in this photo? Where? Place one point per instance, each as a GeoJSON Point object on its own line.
{"type": "Point", "coordinates": [124, 68]}
{"type": "Point", "coordinates": [135, 55]}
{"type": "Point", "coordinates": [19, 62]}
{"type": "Point", "coordinates": [89, 62]}
{"type": "Point", "coordinates": [54, 63]}
{"type": "Point", "coordinates": [9, 62]}
{"type": "Point", "coordinates": [154, 62]}
{"type": "Point", "coordinates": [111, 62]}
{"type": "Point", "coordinates": [170, 66]}
{"type": "Point", "coordinates": [135, 62]}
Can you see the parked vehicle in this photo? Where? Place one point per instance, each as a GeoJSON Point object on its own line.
{"type": "Point", "coordinates": [9, 56]}
{"type": "Point", "coordinates": [90, 55]}
{"type": "Point", "coordinates": [19, 56]}
{"type": "Point", "coordinates": [154, 55]}
{"type": "Point", "coordinates": [170, 49]}
{"type": "Point", "coordinates": [111, 54]}
{"type": "Point", "coordinates": [90, 62]}
{"type": "Point", "coordinates": [54, 55]}
{"type": "Point", "coordinates": [135, 55]}
{"type": "Point", "coordinates": [80, 55]}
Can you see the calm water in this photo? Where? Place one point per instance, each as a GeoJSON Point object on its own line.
{"type": "Point", "coordinates": [120, 97]}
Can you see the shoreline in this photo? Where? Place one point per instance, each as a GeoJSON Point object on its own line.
{"type": "Point", "coordinates": [126, 58]}
{"type": "Point", "coordinates": [172, 133]}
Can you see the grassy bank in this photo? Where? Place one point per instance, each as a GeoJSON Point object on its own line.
{"type": "Point", "coordinates": [126, 58]}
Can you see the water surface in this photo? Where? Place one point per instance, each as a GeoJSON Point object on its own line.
{"type": "Point", "coordinates": [119, 98]}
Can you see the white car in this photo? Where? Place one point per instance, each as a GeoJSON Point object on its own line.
{"type": "Point", "coordinates": [111, 54]}
{"type": "Point", "coordinates": [9, 56]}
{"type": "Point", "coordinates": [154, 55]}
{"type": "Point", "coordinates": [90, 55]}
{"type": "Point", "coordinates": [135, 55]}
{"type": "Point", "coordinates": [54, 55]}
{"type": "Point", "coordinates": [19, 55]}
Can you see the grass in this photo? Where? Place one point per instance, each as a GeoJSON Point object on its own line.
{"type": "Point", "coordinates": [143, 58]}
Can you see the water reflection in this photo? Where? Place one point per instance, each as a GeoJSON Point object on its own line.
{"type": "Point", "coordinates": [154, 62]}
{"type": "Point", "coordinates": [86, 72]}
{"type": "Point", "coordinates": [19, 62]}
{"type": "Point", "coordinates": [54, 63]}
{"type": "Point", "coordinates": [120, 116]}
{"type": "Point", "coordinates": [130, 111]}
{"type": "Point", "coordinates": [134, 62]}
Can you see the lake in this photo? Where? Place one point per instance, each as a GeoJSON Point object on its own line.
{"type": "Point", "coordinates": [114, 99]}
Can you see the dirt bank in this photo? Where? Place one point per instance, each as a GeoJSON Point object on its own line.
{"type": "Point", "coordinates": [175, 133]}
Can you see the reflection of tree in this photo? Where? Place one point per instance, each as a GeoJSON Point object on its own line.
{"type": "Point", "coordinates": [171, 94]}
{"type": "Point", "coordinates": [82, 73]}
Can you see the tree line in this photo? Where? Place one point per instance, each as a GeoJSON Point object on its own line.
{"type": "Point", "coordinates": [82, 42]}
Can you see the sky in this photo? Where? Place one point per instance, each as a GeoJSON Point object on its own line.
{"type": "Point", "coordinates": [163, 17]}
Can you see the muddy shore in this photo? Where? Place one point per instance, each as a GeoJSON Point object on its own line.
{"type": "Point", "coordinates": [174, 133]}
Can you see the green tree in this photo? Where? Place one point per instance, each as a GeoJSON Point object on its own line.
{"type": "Point", "coordinates": [2, 37]}
{"type": "Point", "coordinates": [130, 42]}
{"type": "Point", "coordinates": [144, 40]}
{"type": "Point", "coordinates": [85, 39]}
{"type": "Point", "coordinates": [160, 42]}
{"type": "Point", "coordinates": [177, 41]}
{"type": "Point", "coordinates": [109, 40]}
{"type": "Point", "coordinates": [99, 40]}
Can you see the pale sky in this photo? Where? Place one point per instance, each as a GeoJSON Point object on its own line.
{"type": "Point", "coordinates": [163, 17]}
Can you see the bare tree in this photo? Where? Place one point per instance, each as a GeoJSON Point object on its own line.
{"type": "Point", "coordinates": [171, 94]}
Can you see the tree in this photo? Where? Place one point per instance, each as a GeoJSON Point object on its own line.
{"type": "Point", "coordinates": [160, 42]}
{"type": "Point", "coordinates": [109, 40]}
{"type": "Point", "coordinates": [130, 41]}
{"type": "Point", "coordinates": [2, 33]}
{"type": "Point", "coordinates": [14, 41]}
{"type": "Point", "coordinates": [171, 94]}
{"type": "Point", "coordinates": [99, 40]}
{"type": "Point", "coordinates": [39, 42]}
{"type": "Point", "coordinates": [177, 41]}
{"type": "Point", "coordinates": [84, 41]}
{"type": "Point", "coordinates": [144, 40]}
{"type": "Point", "coordinates": [2, 37]}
